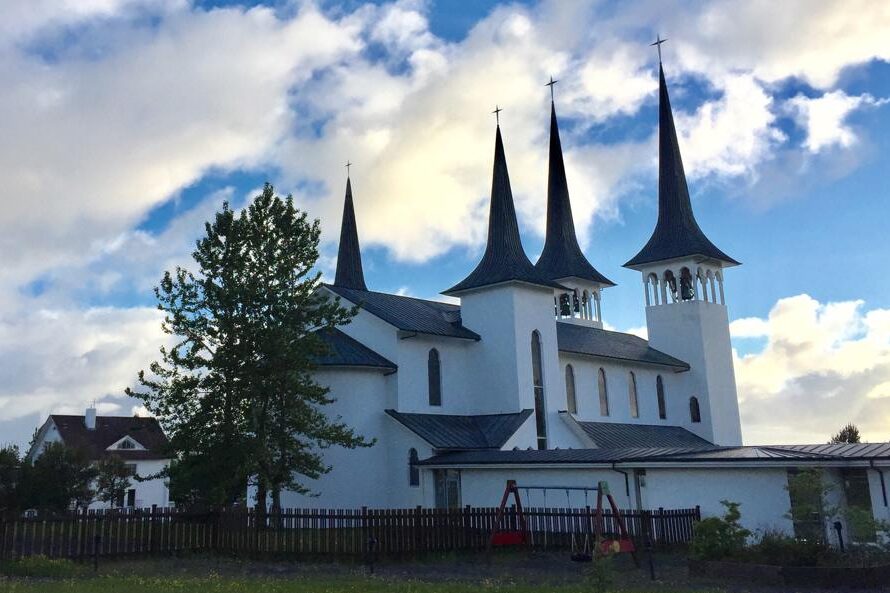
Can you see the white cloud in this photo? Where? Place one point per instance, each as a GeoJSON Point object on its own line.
{"type": "Point", "coordinates": [824, 364]}
{"type": "Point", "coordinates": [824, 118]}
{"type": "Point", "coordinates": [749, 327]}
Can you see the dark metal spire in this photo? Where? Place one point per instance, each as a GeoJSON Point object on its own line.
{"type": "Point", "coordinates": [504, 259]}
{"type": "Point", "coordinates": [676, 233]}
{"type": "Point", "coordinates": [349, 255]}
{"type": "Point", "coordinates": [562, 256]}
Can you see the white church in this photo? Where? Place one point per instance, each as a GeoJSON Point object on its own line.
{"type": "Point", "coordinates": [520, 380]}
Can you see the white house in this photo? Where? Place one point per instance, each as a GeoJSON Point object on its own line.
{"type": "Point", "coordinates": [521, 381]}
{"type": "Point", "coordinates": [139, 441]}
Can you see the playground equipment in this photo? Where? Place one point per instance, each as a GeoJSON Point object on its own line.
{"type": "Point", "coordinates": [582, 547]}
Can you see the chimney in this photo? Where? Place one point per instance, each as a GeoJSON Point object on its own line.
{"type": "Point", "coordinates": [89, 418]}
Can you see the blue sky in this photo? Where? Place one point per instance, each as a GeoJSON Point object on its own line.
{"type": "Point", "coordinates": [130, 121]}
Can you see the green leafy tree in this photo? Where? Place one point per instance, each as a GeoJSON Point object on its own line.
{"type": "Point", "coordinates": [61, 479]}
{"type": "Point", "coordinates": [235, 392]}
{"type": "Point", "coordinates": [848, 434]}
{"type": "Point", "coordinates": [10, 477]}
{"type": "Point", "coordinates": [809, 492]}
{"type": "Point", "coordinates": [112, 480]}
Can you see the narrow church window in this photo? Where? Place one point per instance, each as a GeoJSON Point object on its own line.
{"type": "Point", "coordinates": [126, 444]}
{"type": "Point", "coordinates": [538, 381]}
{"type": "Point", "coordinates": [604, 394]}
{"type": "Point", "coordinates": [413, 469]}
{"type": "Point", "coordinates": [632, 395]}
{"type": "Point", "coordinates": [434, 372]}
{"type": "Point", "coordinates": [694, 411]}
{"type": "Point", "coordinates": [659, 387]}
{"type": "Point", "coordinates": [571, 401]}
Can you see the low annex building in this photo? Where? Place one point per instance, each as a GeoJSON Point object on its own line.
{"type": "Point", "coordinates": [139, 441]}
{"type": "Point", "coordinates": [521, 380]}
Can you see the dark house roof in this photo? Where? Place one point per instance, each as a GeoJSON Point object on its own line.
{"type": "Point", "coordinates": [792, 454]}
{"type": "Point", "coordinates": [562, 256]}
{"type": "Point", "coordinates": [676, 233]}
{"type": "Point", "coordinates": [449, 432]}
{"type": "Point", "coordinates": [409, 314]}
{"type": "Point", "coordinates": [504, 259]}
{"type": "Point", "coordinates": [615, 435]}
{"type": "Point", "coordinates": [110, 429]}
{"type": "Point", "coordinates": [591, 341]}
{"type": "Point", "coordinates": [344, 350]}
{"type": "Point", "coordinates": [349, 254]}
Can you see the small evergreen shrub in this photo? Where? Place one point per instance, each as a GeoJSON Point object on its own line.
{"type": "Point", "coordinates": [715, 538]}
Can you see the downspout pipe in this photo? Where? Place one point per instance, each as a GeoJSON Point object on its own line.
{"type": "Point", "coordinates": [626, 480]}
{"type": "Point", "coordinates": [871, 464]}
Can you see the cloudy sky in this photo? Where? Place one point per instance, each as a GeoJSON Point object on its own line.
{"type": "Point", "coordinates": [125, 123]}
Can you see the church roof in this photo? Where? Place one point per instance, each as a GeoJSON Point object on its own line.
{"type": "Point", "coordinates": [617, 435]}
{"type": "Point", "coordinates": [450, 432]}
{"type": "Point", "coordinates": [109, 430]}
{"type": "Point", "coordinates": [676, 233]}
{"type": "Point", "coordinates": [346, 351]}
{"type": "Point", "coordinates": [562, 256]}
{"type": "Point", "coordinates": [591, 341]}
{"type": "Point", "coordinates": [349, 255]}
{"type": "Point", "coordinates": [839, 455]}
{"type": "Point", "coordinates": [408, 313]}
{"type": "Point", "coordinates": [504, 259]}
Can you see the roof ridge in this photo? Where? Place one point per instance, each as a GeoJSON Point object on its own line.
{"type": "Point", "coordinates": [401, 296]}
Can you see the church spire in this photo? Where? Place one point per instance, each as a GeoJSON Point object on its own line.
{"type": "Point", "coordinates": [562, 256]}
{"type": "Point", "coordinates": [676, 233]}
{"type": "Point", "coordinates": [349, 255]}
{"type": "Point", "coordinates": [504, 259]}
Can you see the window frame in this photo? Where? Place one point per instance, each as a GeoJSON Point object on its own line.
{"type": "Point", "coordinates": [571, 392]}
{"type": "Point", "coordinates": [413, 468]}
{"type": "Point", "coordinates": [659, 394]}
{"type": "Point", "coordinates": [603, 389]}
{"type": "Point", "coordinates": [434, 378]}
{"type": "Point", "coordinates": [632, 396]}
{"type": "Point", "coordinates": [694, 410]}
{"type": "Point", "coordinates": [538, 390]}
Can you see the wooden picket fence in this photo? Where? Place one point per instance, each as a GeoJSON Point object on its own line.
{"type": "Point", "coordinates": [318, 532]}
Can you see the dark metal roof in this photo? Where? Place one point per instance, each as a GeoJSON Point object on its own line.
{"type": "Point", "coordinates": [615, 435]}
{"type": "Point", "coordinates": [592, 341]}
{"type": "Point", "coordinates": [349, 254]}
{"type": "Point", "coordinates": [408, 313]}
{"type": "Point", "coordinates": [110, 429]}
{"type": "Point", "coordinates": [676, 233]}
{"type": "Point", "coordinates": [344, 350]}
{"type": "Point", "coordinates": [562, 256]}
{"type": "Point", "coordinates": [445, 431]}
{"type": "Point", "coordinates": [773, 453]}
{"type": "Point", "coordinates": [504, 259]}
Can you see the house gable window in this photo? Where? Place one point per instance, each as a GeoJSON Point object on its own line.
{"type": "Point", "coordinates": [538, 382]}
{"type": "Point", "coordinates": [571, 400]}
{"type": "Point", "coordinates": [632, 395]}
{"type": "Point", "coordinates": [126, 444]}
{"type": "Point", "coordinates": [603, 391]}
{"type": "Point", "coordinates": [434, 375]}
{"type": "Point", "coordinates": [662, 407]}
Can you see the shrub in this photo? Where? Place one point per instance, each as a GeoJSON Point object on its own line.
{"type": "Point", "coordinates": [43, 567]}
{"type": "Point", "coordinates": [775, 547]}
{"type": "Point", "coordinates": [715, 538]}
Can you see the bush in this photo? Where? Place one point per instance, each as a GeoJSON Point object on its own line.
{"type": "Point", "coordinates": [775, 547]}
{"type": "Point", "coordinates": [43, 567]}
{"type": "Point", "coordinates": [715, 538]}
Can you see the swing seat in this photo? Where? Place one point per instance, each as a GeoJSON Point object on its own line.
{"type": "Point", "coordinates": [508, 538]}
{"type": "Point", "coordinates": [617, 546]}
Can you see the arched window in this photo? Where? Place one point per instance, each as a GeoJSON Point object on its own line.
{"type": "Point", "coordinates": [632, 395]}
{"type": "Point", "coordinates": [571, 400]}
{"type": "Point", "coordinates": [413, 469]}
{"type": "Point", "coordinates": [694, 410]}
{"type": "Point", "coordinates": [604, 392]}
{"type": "Point", "coordinates": [687, 285]}
{"type": "Point", "coordinates": [659, 388]}
{"type": "Point", "coordinates": [538, 382]}
{"type": "Point", "coordinates": [434, 374]}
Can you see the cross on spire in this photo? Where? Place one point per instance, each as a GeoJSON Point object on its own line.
{"type": "Point", "coordinates": [657, 44]}
{"type": "Point", "coordinates": [348, 164]}
{"type": "Point", "coordinates": [550, 84]}
{"type": "Point", "coordinates": [497, 116]}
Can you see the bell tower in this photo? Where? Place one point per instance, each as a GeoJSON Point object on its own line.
{"type": "Point", "coordinates": [686, 311]}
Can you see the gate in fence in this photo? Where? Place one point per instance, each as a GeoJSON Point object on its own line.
{"type": "Point", "coordinates": [315, 532]}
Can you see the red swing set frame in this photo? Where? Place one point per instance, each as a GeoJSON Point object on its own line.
{"type": "Point", "coordinates": [519, 536]}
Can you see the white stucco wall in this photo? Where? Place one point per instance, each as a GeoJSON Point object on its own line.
{"type": "Point", "coordinates": [761, 492]}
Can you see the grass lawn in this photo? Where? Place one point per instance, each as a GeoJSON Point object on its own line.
{"type": "Point", "coordinates": [514, 573]}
